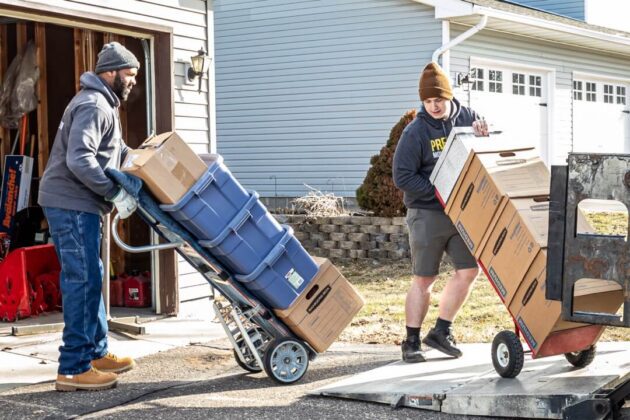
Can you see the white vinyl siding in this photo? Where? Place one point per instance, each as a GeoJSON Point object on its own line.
{"type": "Point", "coordinates": [528, 52]}
{"type": "Point", "coordinates": [308, 91]}
{"type": "Point", "coordinates": [570, 8]}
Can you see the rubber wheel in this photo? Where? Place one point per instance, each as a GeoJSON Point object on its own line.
{"type": "Point", "coordinates": [258, 337]}
{"type": "Point", "coordinates": [507, 354]}
{"type": "Point", "coordinates": [286, 360]}
{"type": "Point", "coordinates": [582, 358]}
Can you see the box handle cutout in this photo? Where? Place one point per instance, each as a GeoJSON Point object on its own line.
{"type": "Point", "coordinates": [530, 292]}
{"type": "Point", "coordinates": [499, 243]}
{"type": "Point", "coordinates": [466, 198]}
{"type": "Point", "coordinates": [311, 292]}
{"type": "Point", "coordinates": [507, 162]}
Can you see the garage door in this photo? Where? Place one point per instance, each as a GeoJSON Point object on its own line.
{"type": "Point", "coordinates": [601, 116]}
{"type": "Point", "coordinates": [513, 101]}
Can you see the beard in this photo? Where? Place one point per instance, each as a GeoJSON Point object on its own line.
{"type": "Point", "coordinates": [120, 89]}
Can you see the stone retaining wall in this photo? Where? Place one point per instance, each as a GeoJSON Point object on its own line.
{"type": "Point", "coordinates": [345, 238]}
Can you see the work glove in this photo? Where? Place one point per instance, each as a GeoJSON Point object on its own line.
{"type": "Point", "coordinates": [125, 203]}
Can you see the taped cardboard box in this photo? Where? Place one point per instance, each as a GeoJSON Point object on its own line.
{"type": "Point", "coordinates": [539, 318]}
{"type": "Point", "coordinates": [487, 179]}
{"type": "Point", "coordinates": [457, 156]}
{"type": "Point", "coordinates": [324, 309]}
{"type": "Point", "coordinates": [519, 230]}
{"type": "Point", "coordinates": [167, 165]}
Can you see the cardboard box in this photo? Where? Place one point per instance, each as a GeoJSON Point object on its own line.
{"type": "Point", "coordinates": [457, 156]}
{"type": "Point", "coordinates": [486, 180]}
{"type": "Point", "coordinates": [538, 318]}
{"type": "Point", "coordinates": [16, 189]}
{"type": "Point", "coordinates": [324, 308]}
{"type": "Point", "coordinates": [167, 165]}
{"type": "Point", "coordinates": [519, 231]}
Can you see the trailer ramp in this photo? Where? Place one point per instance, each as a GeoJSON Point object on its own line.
{"type": "Point", "coordinates": [547, 388]}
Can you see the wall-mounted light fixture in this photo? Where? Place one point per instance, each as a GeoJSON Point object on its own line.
{"type": "Point", "coordinates": [464, 80]}
{"type": "Point", "coordinates": [198, 66]}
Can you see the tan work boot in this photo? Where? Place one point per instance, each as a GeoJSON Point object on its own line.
{"type": "Point", "coordinates": [112, 363]}
{"type": "Point", "coordinates": [92, 380]}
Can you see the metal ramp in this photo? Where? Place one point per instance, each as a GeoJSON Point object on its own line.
{"type": "Point", "coordinates": [470, 385]}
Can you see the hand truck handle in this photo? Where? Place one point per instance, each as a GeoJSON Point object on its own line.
{"type": "Point", "coordinates": [139, 249]}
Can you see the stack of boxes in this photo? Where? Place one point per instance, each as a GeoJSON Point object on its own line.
{"type": "Point", "coordinates": [311, 296]}
{"type": "Point", "coordinates": [497, 195]}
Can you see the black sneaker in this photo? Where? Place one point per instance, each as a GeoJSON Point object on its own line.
{"type": "Point", "coordinates": [411, 352]}
{"type": "Point", "coordinates": [442, 341]}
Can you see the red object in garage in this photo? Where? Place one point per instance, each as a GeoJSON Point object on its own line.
{"type": "Point", "coordinates": [116, 291]}
{"type": "Point", "coordinates": [137, 289]}
{"type": "Point", "coordinates": [18, 285]}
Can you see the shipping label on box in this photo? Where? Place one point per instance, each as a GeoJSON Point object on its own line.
{"type": "Point", "coordinates": [167, 165]}
{"type": "Point", "coordinates": [16, 189]}
{"type": "Point", "coordinates": [324, 308]}
{"type": "Point", "coordinates": [458, 153]}
{"type": "Point", "coordinates": [509, 248]}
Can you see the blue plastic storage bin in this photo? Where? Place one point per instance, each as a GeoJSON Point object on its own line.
{"type": "Point", "coordinates": [211, 203]}
{"type": "Point", "coordinates": [247, 239]}
{"type": "Point", "coordinates": [284, 273]}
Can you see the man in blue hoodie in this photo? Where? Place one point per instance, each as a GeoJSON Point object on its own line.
{"type": "Point", "coordinates": [75, 193]}
{"type": "Point", "coordinates": [431, 232]}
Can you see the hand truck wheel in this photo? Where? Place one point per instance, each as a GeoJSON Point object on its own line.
{"type": "Point", "coordinates": [507, 354]}
{"type": "Point", "coordinates": [286, 360]}
{"type": "Point", "coordinates": [581, 358]}
{"type": "Point", "coordinates": [259, 338]}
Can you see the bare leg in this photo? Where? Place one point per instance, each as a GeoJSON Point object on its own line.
{"type": "Point", "coordinates": [455, 293]}
{"type": "Point", "coordinates": [418, 299]}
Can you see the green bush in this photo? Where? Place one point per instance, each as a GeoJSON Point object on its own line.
{"type": "Point", "coordinates": [378, 193]}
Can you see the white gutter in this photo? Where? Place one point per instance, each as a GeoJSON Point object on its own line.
{"type": "Point", "coordinates": [479, 26]}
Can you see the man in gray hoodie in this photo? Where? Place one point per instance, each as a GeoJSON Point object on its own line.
{"type": "Point", "coordinates": [75, 193]}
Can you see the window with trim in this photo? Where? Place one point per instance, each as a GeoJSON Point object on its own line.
{"type": "Point", "coordinates": [518, 84]}
{"type": "Point", "coordinates": [476, 77]}
{"type": "Point", "coordinates": [495, 81]}
{"type": "Point", "coordinates": [578, 90]}
{"type": "Point", "coordinates": [609, 94]}
{"type": "Point", "coordinates": [621, 95]}
{"type": "Point", "coordinates": [535, 86]}
{"type": "Point", "coordinates": [591, 92]}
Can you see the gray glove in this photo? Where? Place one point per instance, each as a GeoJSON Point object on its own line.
{"type": "Point", "coordinates": [125, 203]}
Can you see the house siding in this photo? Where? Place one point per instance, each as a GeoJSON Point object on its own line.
{"type": "Point", "coordinates": [308, 91]}
{"type": "Point", "coordinates": [573, 9]}
{"type": "Point", "coordinates": [563, 59]}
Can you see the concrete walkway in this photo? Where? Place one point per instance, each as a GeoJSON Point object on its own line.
{"type": "Point", "coordinates": [26, 360]}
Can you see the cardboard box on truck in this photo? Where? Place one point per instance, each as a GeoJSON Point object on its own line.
{"type": "Point", "coordinates": [519, 231]}
{"type": "Point", "coordinates": [167, 165]}
{"type": "Point", "coordinates": [324, 308]}
{"type": "Point", "coordinates": [488, 179]}
{"type": "Point", "coordinates": [538, 318]}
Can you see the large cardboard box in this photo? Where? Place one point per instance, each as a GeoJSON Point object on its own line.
{"type": "Point", "coordinates": [167, 165]}
{"type": "Point", "coordinates": [538, 317]}
{"type": "Point", "coordinates": [458, 153]}
{"type": "Point", "coordinates": [324, 308]}
{"type": "Point", "coordinates": [487, 179]}
{"type": "Point", "coordinates": [519, 231]}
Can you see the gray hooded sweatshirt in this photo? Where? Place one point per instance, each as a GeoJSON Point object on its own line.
{"type": "Point", "coordinates": [88, 140]}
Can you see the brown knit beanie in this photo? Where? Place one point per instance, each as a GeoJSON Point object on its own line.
{"type": "Point", "coordinates": [434, 83]}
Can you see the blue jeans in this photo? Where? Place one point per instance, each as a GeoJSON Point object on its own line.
{"type": "Point", "coordinates": [77, 238]}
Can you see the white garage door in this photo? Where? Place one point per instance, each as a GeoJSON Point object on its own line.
{"type": "Point", "coordinates": [601, 116]}
{"type": "Point", "coordinates": [513, 101]}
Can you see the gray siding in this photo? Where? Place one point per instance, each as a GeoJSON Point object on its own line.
{"type": "Point", "coordinates": [570, 8]}
{"type": "Point", "coordinates": [526, 51]}
{"type": "Point", "coordinates": [308, 91]}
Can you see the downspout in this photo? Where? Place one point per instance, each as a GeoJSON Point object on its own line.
{"type": "Point", "coordinates": [482, 24]}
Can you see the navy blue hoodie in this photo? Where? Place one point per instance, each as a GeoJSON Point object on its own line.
{"type": "Point", "coordinates": [418, 150]}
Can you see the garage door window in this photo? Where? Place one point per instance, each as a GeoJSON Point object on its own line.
{"type": "Point", "coordinates": [495, 83]}
{"type": "Point", "coordinates": [518, 83]}
{"type": "Point", "coordinates": [577, 90]}
{"type": "Point", "coordinates": [609, 96]}
{"type": "Point", "coordinates": [621, 95]}
{"type": "Point", "coordinates": [591, 89]}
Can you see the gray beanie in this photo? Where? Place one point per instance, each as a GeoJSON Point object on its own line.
{"type": "Point", "coordinates": [114, 56]}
